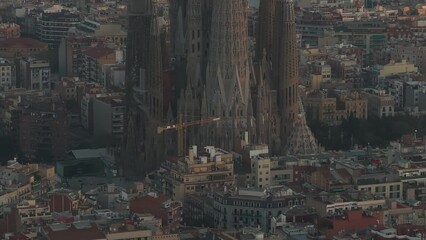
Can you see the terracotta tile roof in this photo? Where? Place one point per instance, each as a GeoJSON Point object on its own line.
{"type": "Point", "coordinates": [140, 204]}
{"type": "Point", "coordinates": [22, 43]}
{"type": "Point", "coordinates": [98, 52]}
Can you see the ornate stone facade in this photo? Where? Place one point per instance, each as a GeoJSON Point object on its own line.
{"type": "Point", "coordinates": [142, 146]}
{"type": "Point", "coordinates": [264, 40]}
{"type": "Point", "coordinates": [215, 76]}
{"type": "Point", "coordinates": [258, 102]}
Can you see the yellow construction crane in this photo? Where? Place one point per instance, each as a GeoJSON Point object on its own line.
{"type": "Point", "coordinates": [180, 126]}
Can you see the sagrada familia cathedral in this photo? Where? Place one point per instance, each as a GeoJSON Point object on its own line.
{"type": "Point", "coordinates": [255, 93]}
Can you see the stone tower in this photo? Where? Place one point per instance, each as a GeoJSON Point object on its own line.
{"type": "Point", "coordinates": [286, 76]}
{"type": "Point", "coordinates": [265, 34]}
{"type": "Point", "coordinates": [141, 150]}
{"type": "Point", "coordinates": [285, 65]}
{"type": "Point", "coordinates": [194, 40]}
{"type": "Point", "coordinates": [139, 19]}
{"type": "Point", "coordinates": [228, 73]}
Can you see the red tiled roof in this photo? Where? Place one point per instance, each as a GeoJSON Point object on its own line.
{"type": "Point", "coordinates": [22, 43]}
{"type": "Point", "coordinates": [98, 52]}
{"type": "Point", "coordinates": [140, 204]}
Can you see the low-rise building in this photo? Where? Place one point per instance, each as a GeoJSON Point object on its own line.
{"type": "Point", "coordinates": [329, 204]}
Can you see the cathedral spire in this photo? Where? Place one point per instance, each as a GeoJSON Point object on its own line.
{"type": "Point", "coordinates": [142, 146]}
{"type": "Point", "coordinates": [265, 33]}
{"type": "Point", "coordinates": [179, 35]}
{"type": "Point", "coordinates": [285, 65]}
{"type": "Point", "coordinates": [295, 135]}
{"type": "Point", "coordinates": [229, 48]}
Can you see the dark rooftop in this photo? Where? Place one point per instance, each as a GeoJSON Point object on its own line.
{"type": "Point", "coordinates": [22, 43]}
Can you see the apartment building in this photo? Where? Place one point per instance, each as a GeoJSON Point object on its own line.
{"type": "Point", "coordinates": [34, 74]}
{"type": "Point", "coordinates": [93, 60]}
{"type": "Point", "coordinates": [70, 53]}
{"type": "Point", "coordinates": [53, 26]}
{"type": "Point", "coordinates": [329, 204]}
{"type": "Point", "coordinates": [380, 104]}
{"type": "Point", "coordinates": [331, 108]}
{"type": "Point", "coordinates": [43, 130]}
{"type": "Point", "coordinates": [7, 74]}
{"type": "Point", "coordinates": [108, 117]}
{"type": "Point", "coordinates": [267, 172]}
{"type": "Point", "coordinates": [253, 206]}
{"type": "Point", "coordinates": [200, 171]}
{"type": "Point", "coordinates": [385, 184]}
